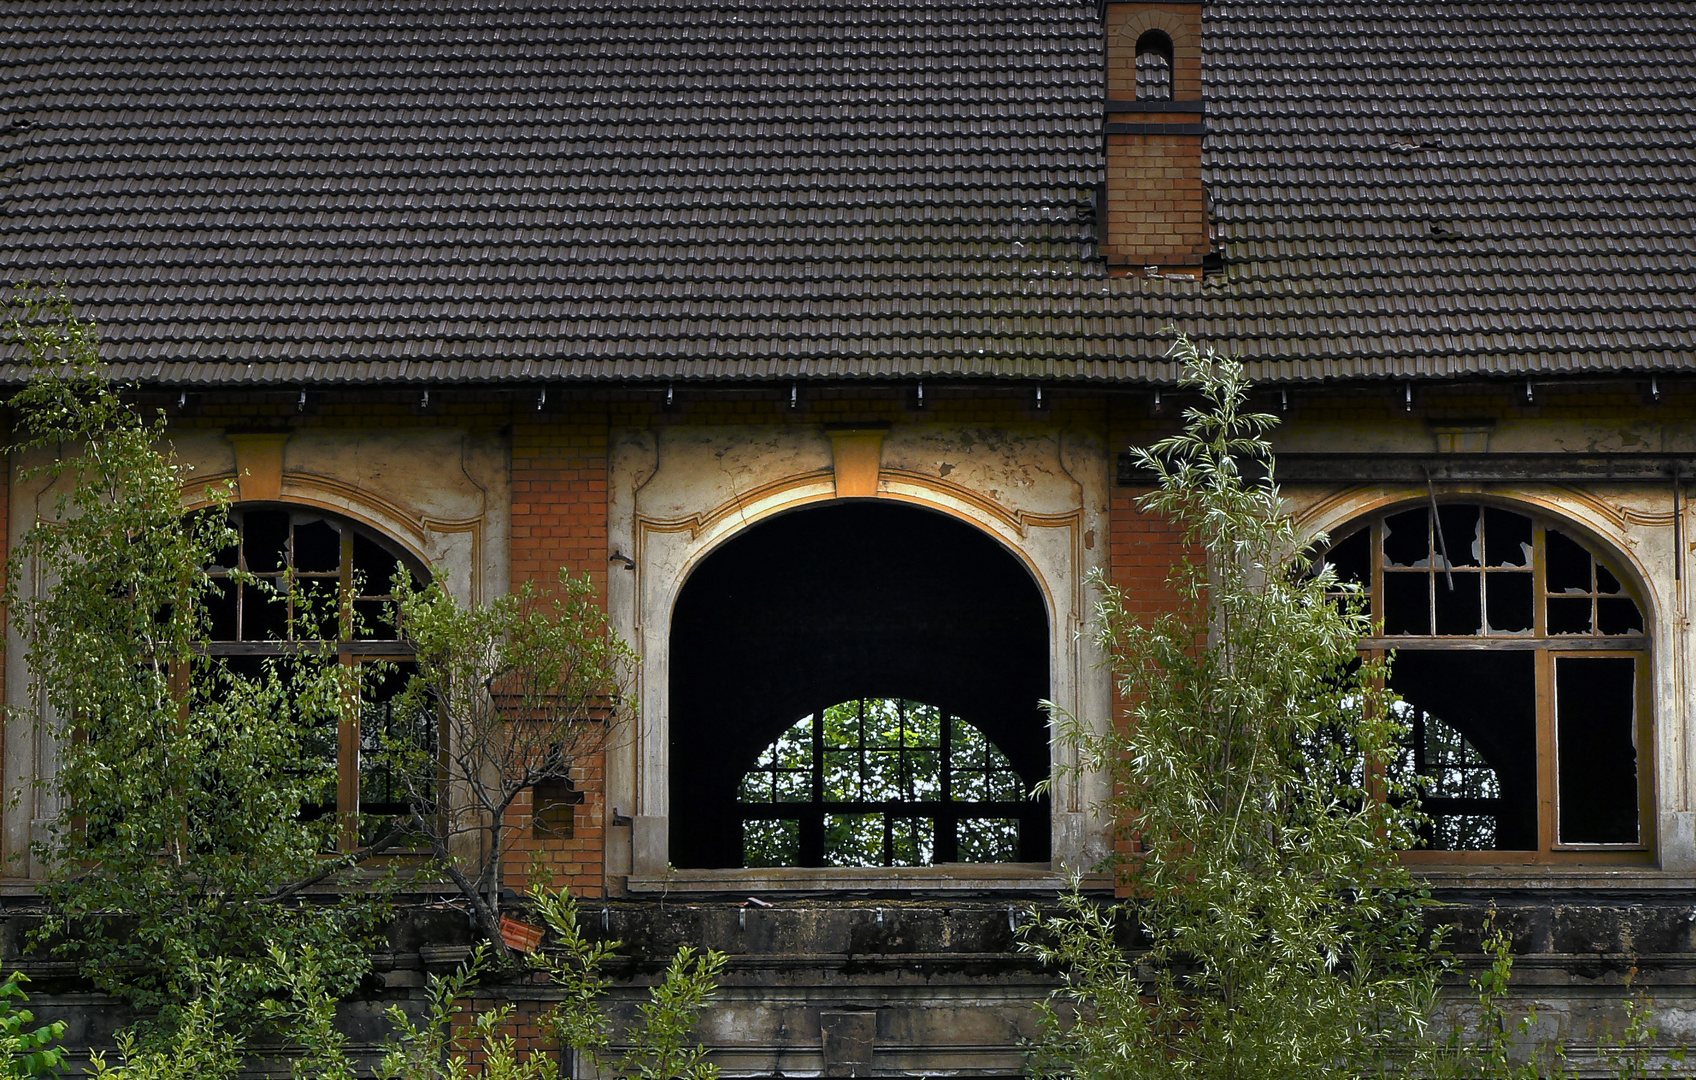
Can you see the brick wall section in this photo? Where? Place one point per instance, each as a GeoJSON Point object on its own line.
{"type": "Point", "coordinates": [1143, 548]}
{"type": "Point", "coordinates": [1156, 212]}
{"type": "Point", "coordinates": [559, 518]}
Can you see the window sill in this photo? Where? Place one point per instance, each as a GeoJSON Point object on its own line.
{"type": "Point", "coordinates": [977, 877]}
{"type": "Point", "coordinates": [1493, 877]}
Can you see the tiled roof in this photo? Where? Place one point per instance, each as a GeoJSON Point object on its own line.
{"type": "Point", "coordinates": [356, 190]}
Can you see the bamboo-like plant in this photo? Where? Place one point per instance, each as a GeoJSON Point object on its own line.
{"type": "Point", "coordinates": [1271, 932]}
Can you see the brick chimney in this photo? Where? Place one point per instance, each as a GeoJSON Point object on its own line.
{"type": "Point", "coordinates": [1155, 211]}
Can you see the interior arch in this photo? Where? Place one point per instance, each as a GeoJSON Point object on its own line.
{"type": "Point", "coordinates": [831, 603]}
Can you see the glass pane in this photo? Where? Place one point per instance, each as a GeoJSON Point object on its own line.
{"type": "Point", "coordinates": [373, 568]}
{"type": "Point", "coordinates": [1472, 716]}
{"type": "Point", "coordinates": [882, 721]}
{"type": "Point", "coordinates": [924, 775]}
{"type": "Point", "coordinates": [317, 546]}
{"type": "Point", "coordinates": [853, 840]}
{"type": "Point", "coordinates": [1569, 615]}
{"type": "Point", "coordinates": [1596, 741]}
{"type": "Point", "coordinates": [1463, 832]}
{"type": "Point", "coordinates": [1462, 534]}
{"type": "Point", "coordinates": [374, 620]}
{"type": "Point", "coordinates": [841, 775]}
{"type": "Point", "coordinates": [220, 603]}
{"type": "Point", "coordinates": [264, 541]}
{"type": "Point", "coordinates": [989, 840]}
{"type": "Point", "coordinates": [317, 609]}
{"type": "Point", "coordinates": [793, 785]}
{"type": "Point", "coordinates": [1507, 538]}
{"type": "Point", "coordinates": [1407, 539]}
{"type": "Point", "coordinates": [756, 786]}
{"type": "Point", "coordinates": [881, 781]}
{"type": "Point", "coordinates": [1351, 558]}
{"type": "Point", "coordinates": [774, 842]}
{"type": "Point", "coordinates": [1407, 603]}
{"type": "Point", "coordinates": [912, 841]}
{"type": "Point", "coordinates": [1509, 601]}
{"type": "Point", "coordinates": [1618, 615]}
{"type": "Point", "coordinates": [394, 740]}
{"type": "Point", "coordinates": [1568, 563]}
{"type": "Point", "coordinates": [264, 611]}
{"type": "Point", "coordinates": [924, 725]}
{"type": "Point", "coordinates": [1459, 610]}
{"type": "Point", "coordinates": [794, 748]}
{"type": "Point", "coordinates": [842, 725]}
{"type": "Point", "coordinates": [1606, 583]}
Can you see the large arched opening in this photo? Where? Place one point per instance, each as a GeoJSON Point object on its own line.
{"type": "Point", "coordinates": [801, 628]}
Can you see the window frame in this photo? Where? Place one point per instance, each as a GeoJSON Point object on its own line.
{"type": "Point", "coordinates": [944, 811]}
{"type": "Point", "coordinates": [1547, 648]}
{"type": "Point", "coordinates": [351, 652]}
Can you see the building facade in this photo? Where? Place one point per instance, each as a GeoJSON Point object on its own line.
{"type": "Point", "coordinates": [815, 335]}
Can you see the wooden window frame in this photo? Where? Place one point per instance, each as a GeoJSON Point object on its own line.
{"type": "Point", "coordinates": [350, 652]}
{"type": "Point", "coordinates": [1547, 649]}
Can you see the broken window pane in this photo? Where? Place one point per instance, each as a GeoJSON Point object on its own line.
{"type": "Point", "coordinates": [1407, 603]}
{"type": "Point", "coordinates": [1569, 615]}
{"type": "Point", "coordinates": [1509, 603]}
{"type": "Point", "coordinates": [1507, 539]}
{"type": "Point", "coordinates": [1568, 564]}
{"type": "Point", "coordinates": [1459, 609]}
{"type": "Point", "coordinates": [317, 546]}
{"type": "Point", "coordinates": [1352, 558]}
{"type": "Point", "coordinates": [1596, 739]}
{"type": "Point", "coordinates": [1407, 539]}
{"type": "Point", "coordinates": [1482, 759]}
{"type": "Point", "coordinates": [1462, 534]}
{"type": "Point", "coordinates": [1618, 616]}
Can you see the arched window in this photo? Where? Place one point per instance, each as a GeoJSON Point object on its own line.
{"type": "Point", "coordinates": [868, 668]}
{"type": "Point", "coordinates": [1521, 657]}
{"type": "Point", "coordinates": [882, 782]}
{"type": "Point", "coordinates": [1154, 67]}
{"type": "Point", "coordinates": [314, 580]}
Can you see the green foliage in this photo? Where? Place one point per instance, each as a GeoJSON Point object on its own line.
{"type": "Point", "coordinates": [1275, 932]}
{"type": "Point", "coordinates": [658, 1042]}
{"type": "Point", "coordinates": [26, 1050]}
{"type": "Point", "coordinates": [455, 1043]}
{"type": "Point", "coordinates": [179, 841]}
{"type": "Point", "coordinates": [526, 688]}
{"type": "Point", "coordinates": [448, 1043]}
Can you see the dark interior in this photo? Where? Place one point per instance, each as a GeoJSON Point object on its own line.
{"type": "Point", "coordinates": [1491, 699]}
{"type": "Point", "coordinates": [1595, 736]}
{"type": "Point", "coordinates": [850, 600]}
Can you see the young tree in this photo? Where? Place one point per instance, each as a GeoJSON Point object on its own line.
{"type": "Point", "coordinates": [526, 689]}
{"type": "Point", "coordinates": [1272, 932]}
{"type": "Point", "coordinates": [172, 861]}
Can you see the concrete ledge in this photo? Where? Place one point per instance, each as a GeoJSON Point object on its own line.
{"type": "Point", "coordinates": [996, 877]}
